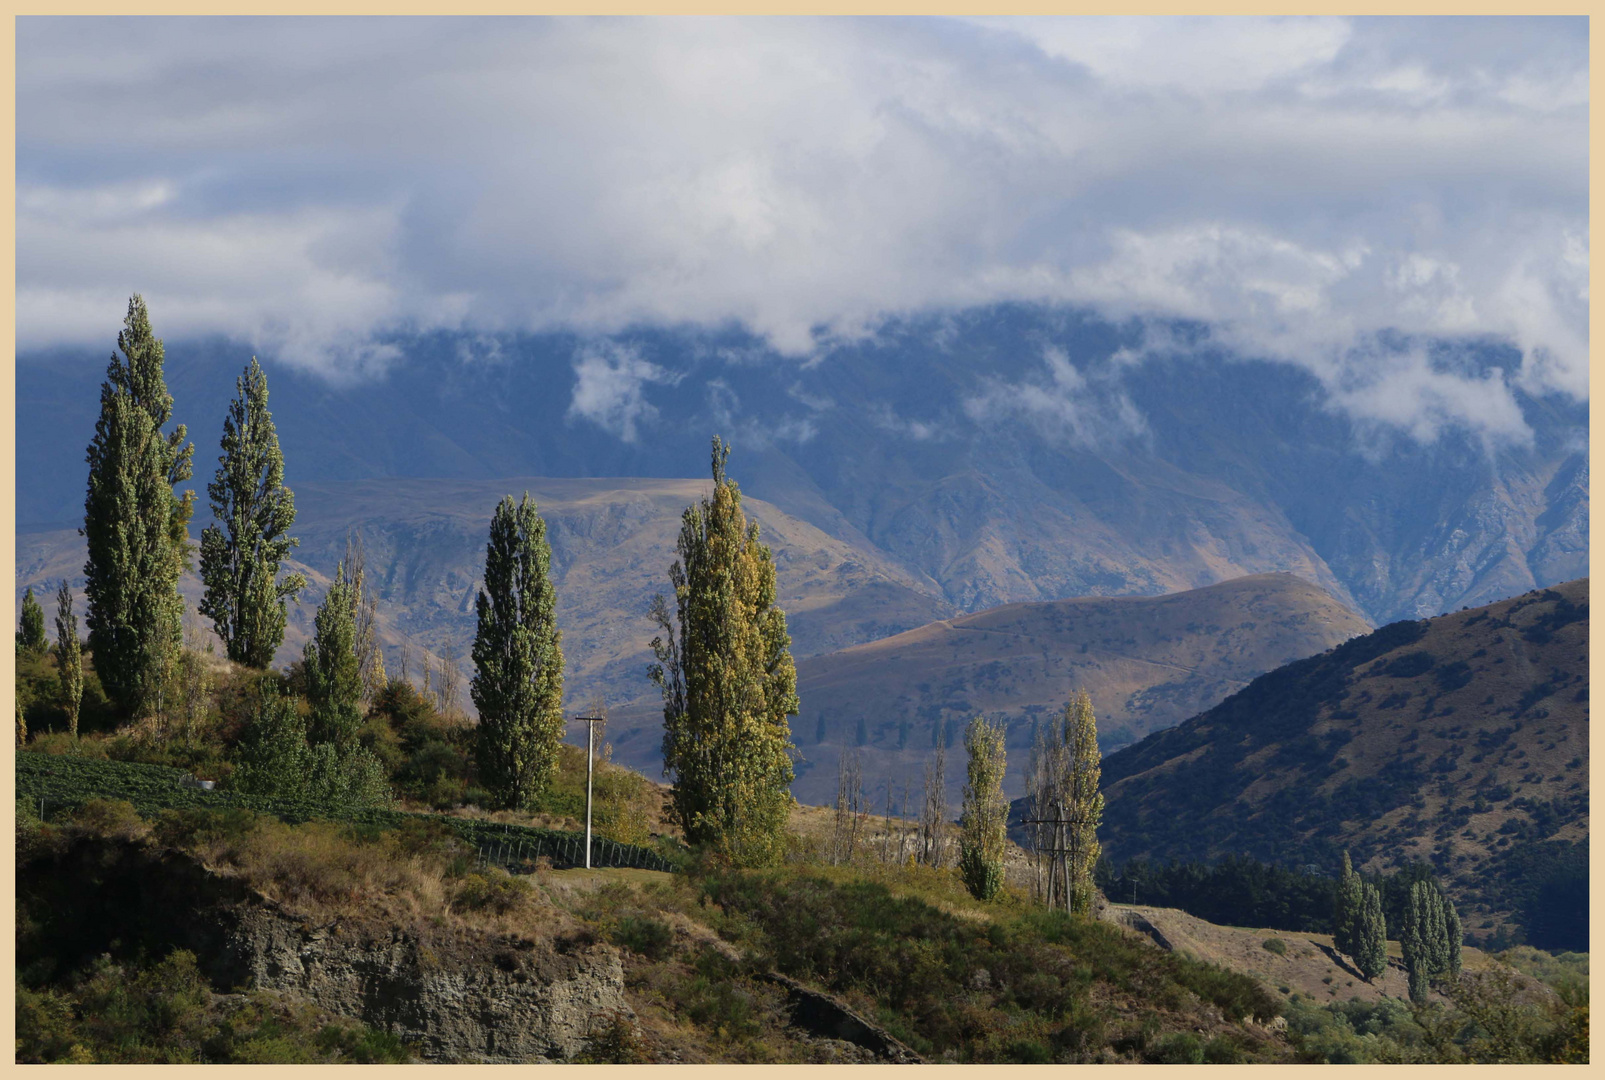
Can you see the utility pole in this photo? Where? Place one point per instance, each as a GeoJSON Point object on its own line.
{"type": "Point", "coordinates": [590, 769]}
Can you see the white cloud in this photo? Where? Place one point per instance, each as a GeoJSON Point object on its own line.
{"type": "Point", "coordinates": [1064, 407]}
{"type": "Point", "coordinates": [1299, 185]}
{"type": "Point", "coordinates": [609, 389]}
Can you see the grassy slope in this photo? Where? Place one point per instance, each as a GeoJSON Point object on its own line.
{"type": "Point", "coordinates": [1462, 740]}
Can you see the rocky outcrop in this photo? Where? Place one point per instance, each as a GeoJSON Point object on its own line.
{"type": "Point", "coordinates": [484, 1000]}
{"type": "Point", "coordinates": [824, 1017]}
{"type": "Point", "coordinates": [455, 993]}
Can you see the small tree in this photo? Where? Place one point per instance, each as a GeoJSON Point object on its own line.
{"type": "Point", "coordinates": [849, 809]}
{"type": "Point", "coordinates": [1454, 936]}
{"type": "Point", "coordinates": [518, 658]}
{"type": "Point", "coordinates": [275, 760]}
{"type": "Point", "coordinates": [933, 811]}
{"type": "Point", "coordinates": [365, 615]}
{"type": "Point", "coordinates": [724, 666]}
{"type": "Point", "coordinates": [273, 754]}
{"type": "Point", "coordinates": [334, 683]}
{"type": "Point", "coordinates": [69, 657]}
{"type": "Point", "coordinates": [240, 561]}
{"type": "Point", "coordinates": [984, 823]}
{"type": "Point", "coordinates": [31, 633]}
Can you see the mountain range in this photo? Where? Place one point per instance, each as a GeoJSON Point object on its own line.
{"type": "Point", "coordinates": [999, 455]}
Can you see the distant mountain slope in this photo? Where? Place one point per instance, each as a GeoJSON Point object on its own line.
{"type": "Point", "coordinates": [1148, 662]}
{"type": "Point", "coordinates": [612, 544]}
{"type": "Point", "coordinates": [1461, 740]}
{"type": "Point", "coordinates": [996, 455]}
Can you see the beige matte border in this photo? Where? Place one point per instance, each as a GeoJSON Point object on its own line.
{"type": "Point", "coordinates": [636, 7]}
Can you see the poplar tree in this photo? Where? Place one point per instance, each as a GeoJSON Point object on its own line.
{"type": "Point", "coordinates": [1083, 800]}
{"type": "Point", "coordinates": [1371, 938]}
{"type": "Point", "coordinates": [728, 681]}
{"type": "Point", "coordinates": [518, 658]}
{"type": "Point", "coordinates": [135, 527]}
{"type": "Point", "coordinates": [1346, 910]}
{"type": "Point", "coordinates": [240, 561]}
{"type": "Point", "coordinates": [334, 684]}
{"type": "Point", "coordinates": [69, 657]}
{"type": "Point", "coordinates": [984, 822]}
{"type": "Point", "coordinates": [31, 629]}
{"type": "Point", "coordinates": [1430, 938]}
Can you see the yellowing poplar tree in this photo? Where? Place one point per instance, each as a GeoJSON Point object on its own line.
{"type": "Point", "coordinates": [728, 681]}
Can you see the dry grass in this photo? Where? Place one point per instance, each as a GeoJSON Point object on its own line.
{"type": "Point", "coordinates": [325, 870]}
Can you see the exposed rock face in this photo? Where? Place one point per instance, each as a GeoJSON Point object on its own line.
{"type": "Point", "coordinates": [456, 1000]}
{"type": "Point", "coordinates": [456, 994]}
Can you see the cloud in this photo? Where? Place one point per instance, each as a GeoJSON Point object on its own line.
{"type": "Point", "coordinates": [1298, 185]}
{"type": "Point", "coordinates": [608, 389]}
{"type": "Point", "coordinates": [724, 405]}
{"type": "Point", "coordinates": [1064, 407]}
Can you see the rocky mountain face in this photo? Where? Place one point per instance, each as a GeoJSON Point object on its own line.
{"type": "Point", "coordinates": [1461, 741]}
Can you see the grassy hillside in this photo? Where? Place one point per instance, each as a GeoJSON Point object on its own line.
{"type": "Point", "coordinates": [1149, 662]}
{"type": "Point", "coordinates": [1460, 740]}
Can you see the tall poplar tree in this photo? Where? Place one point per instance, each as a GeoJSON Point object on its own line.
{"type": "Point", "coordinates": [1347, 908]}
{"type": "Point", "coordinates": [983, 838]}
{"type": "Point", "coordinates": [334, 683]}
{"type": "Point", "coordinates": [69, 657]}
{"type": "Point", "coordinates": [1083, 800]}
{"type": "Point", "coordinates": [518, 658]}
{"type": "Point", "coordinates": [135, 527]}
{"type": "Point", "coordinates": [1430, 938]}
{"type": "Point", "coordinates": [1371, 937]}
{"type": "Point", "coordinates": [31, 627]}
{"type": "Point", "coordinates": [240, 561]}
{"type": "Point", "coordinates": [728, 681]}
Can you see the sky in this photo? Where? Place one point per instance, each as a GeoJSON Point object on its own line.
{"type": "Point", "coordinates": [1365, 199]}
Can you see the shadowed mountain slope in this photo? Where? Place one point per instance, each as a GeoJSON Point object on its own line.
{"type": "Point", "coordinates": [1460, 740]}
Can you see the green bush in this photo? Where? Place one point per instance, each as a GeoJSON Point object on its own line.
{"type": "Point", "coordinates": [1275, 945]}
{"type": "Point", "coordinates": [644, 935]}
{"type": "Point", "coordinates": [1177, 1048]}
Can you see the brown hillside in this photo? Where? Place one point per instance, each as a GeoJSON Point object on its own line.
{"type": "Point", "coordinates": [1460, 740]}
{"type": "Point", "coordinates": [1149, 662]}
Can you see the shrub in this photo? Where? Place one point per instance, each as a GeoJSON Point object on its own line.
{"type": "Point", "coordinates": [1177, 1048]}
{"type": "Point", "coordinates": [1275, 945]}
{"type": "Point", "coordinates": [493, 889]}
{"type": "Point", "coordinates": [644, 935]}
